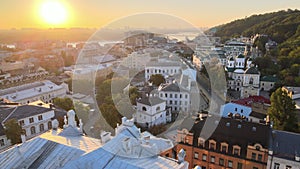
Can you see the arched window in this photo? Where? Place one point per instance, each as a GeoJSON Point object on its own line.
{"type": "Point", "coordinates": [42, 127]}
{"type": "Point", "coordinates": [49, 125]}
{"type": "Point", "coordinates": [144, 108]}
{"type": "Point", "coordinates": [157, 108]}
{"type": "Point", "coordinates": [32, 130]}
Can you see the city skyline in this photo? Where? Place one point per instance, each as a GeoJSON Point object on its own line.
{"type": "Point", "coordinates": [96, 14]}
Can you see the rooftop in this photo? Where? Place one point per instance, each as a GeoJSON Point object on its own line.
{"type": "Point", "coordinates": [252, 99]}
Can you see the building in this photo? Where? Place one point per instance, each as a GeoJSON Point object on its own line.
{"type": "Point", "coordinates": [233, 144]}
{"type": "Point", "coordinates": [164, 68]}
{"type": "Point", "coordinates": [42, 90]}
{"type": "Point", "coordinates": [151, 111]}
{"type": "Point", "coordinates": [70, 148]}
{"type": "Point", "coordinates": [268, 82]}
{"type": "Point", "coordinates": [284, 150]}
{"type": "Point", "coordinates": [293, 92]}
{"type": "Point", "coordinates": [176, 96]}
{"type": "Point", "coordinates": [34, 120]}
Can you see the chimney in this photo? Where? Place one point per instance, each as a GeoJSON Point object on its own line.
{"type": "Point", "coordinates": [23, 138]}
{"type": "Point", "coordinates": [181, 155]}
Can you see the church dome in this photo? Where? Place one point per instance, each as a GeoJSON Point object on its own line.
{"type": "Point", "coordinates": [239, 71]}
{"type": "Point", "coordinates": [241, 56]}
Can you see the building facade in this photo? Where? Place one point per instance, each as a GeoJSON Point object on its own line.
{"type": "Point", "coordinates": [233, 144]}
{"type": "Point", "coordinates": [27, 93]}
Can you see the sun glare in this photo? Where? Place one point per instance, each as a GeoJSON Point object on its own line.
{"type": "Point", "coordinates": [53, 12]}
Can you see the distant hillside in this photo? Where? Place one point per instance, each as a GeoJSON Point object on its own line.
{"type": "Point", "coordinates": [280, 26]}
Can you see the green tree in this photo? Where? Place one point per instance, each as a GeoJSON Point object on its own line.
{"type": "Point", "coordinates": [64, 103]}
{"type": "Point", "coordinates": [13, 131]}
{"type": "Point", "coordinates": [282, 111]}
{"type": "Point", "coordinates": [133, 95]}
{"type": "Point", "coordinates": [157, 79]}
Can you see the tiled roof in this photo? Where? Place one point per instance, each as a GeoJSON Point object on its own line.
{"type": "Point", "coordinates": [252, 99]}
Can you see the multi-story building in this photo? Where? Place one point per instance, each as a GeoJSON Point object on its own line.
{"type": "Point", "coordinates": [43, 90]}
{"type": "Point", "coordinates": [267, 82]}
{"type": "Point", "coordinates": [151, 111]}
{"type": "Point", "coordinates": [164, 68]}
{"type": "Point", "coordinates": [34, 120]}
{"type": "Point", "coordinates": [284, 151]}
{"type": "Point", "coordinates": [176, 96]}
{"type": "Point", "coordinates": [233, 144]}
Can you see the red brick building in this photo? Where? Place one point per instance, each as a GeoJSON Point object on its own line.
{"type": "Point", "coordinates": [234, 144]}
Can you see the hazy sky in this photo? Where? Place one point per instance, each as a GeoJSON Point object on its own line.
{"type": "Point", "coordinates": [96, 13]}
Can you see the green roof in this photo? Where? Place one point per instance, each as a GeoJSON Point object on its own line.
{"type": "Point", "coordinates": [230, 69]}
{"type": "Point", "coordinates": [252, 70]}
{"type": "Point", "coordinates": [241, 56]}
{"type": "Point", "coordinates": [269, 78]}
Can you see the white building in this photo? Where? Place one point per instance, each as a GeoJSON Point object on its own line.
{"type": "Point", "coordinates": [176, 97]}
{"type": "Point", "coordinates": [43, 90]}
{"type": "Point", "coordinates": [151, 111]}
{"type": "Point", "coordinates": [284, 151]}
{"type": "Point", "coordinates": [69, 148]}
{"type": "Point", "coordinates": [243, 76]}
{"type": "Point", "coordinates": [34, 120]}
{"type": "Point", "coordinates": [267, 82]}
{"type": "Point", "coordinates": [137, 60]}
{"type": "Point", "coordinates": [164, 68]}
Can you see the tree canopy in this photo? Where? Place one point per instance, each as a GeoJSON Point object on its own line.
{"type": "Point", "coordinates": [157, 79]}
{"type": "Point", "coordinates": [282, 111]}
{"type": "Point", "coordinates": [13, 131]}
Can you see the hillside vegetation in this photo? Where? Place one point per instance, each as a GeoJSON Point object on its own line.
{"type": "Point", "coordinates": [282, 27]}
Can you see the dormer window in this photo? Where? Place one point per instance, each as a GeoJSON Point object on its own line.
{"type": "Point", "coordinates": [224, 147]}
{"type": "Point", "coordinates": [236, 150]}
{"type": "Point", "coordinates": [201, 142]}
{"type": "Point", "coordinates": [212, 144]}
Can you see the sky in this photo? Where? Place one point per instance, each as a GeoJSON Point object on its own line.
{"type": "Point", "coordinates": [98, 13]}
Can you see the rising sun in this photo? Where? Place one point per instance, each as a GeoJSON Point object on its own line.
{"type": "Point", "coordinates": [53, 12]}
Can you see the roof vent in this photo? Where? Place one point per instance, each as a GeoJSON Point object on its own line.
{"type": "Point", "coordinates": [297, 158]}
{"type": "Point", "coordinates": [227, 124]}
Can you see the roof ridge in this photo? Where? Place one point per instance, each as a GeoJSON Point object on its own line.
{"type": "Point", "coordinates": [9, 115]}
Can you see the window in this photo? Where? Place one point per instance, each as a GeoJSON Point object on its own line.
{"type": "Point", "coordinates": [288, 167]}
{"type": "Point", "coordinates": [255, 168]}
{"type": "Point", "coordinates": [212, 159]}
{"type": "Point", "coordinates": [235, 109]}
{"type": "Point", "coordinates": [31, 120]}
{"type": "Point", "coordinates": [21, 122]}
{"type": "Point", "coordinates": [221, 162]}
{"type": "Point", "coordinates": [196, 155]}
{"type": "Point", "coordinates": [212, 144]}
{"type": "Point", "coordinates": [144, 108]}
{"type": "Point", "coordinates": [32, 130]}
{"type": "Point", "coordinates": [259, 157]}
{"type": "Point", "coordinates": [224, 147]}
{"type": "Point", "coordinates": [240, 166]}
{"type": "Point", "coordinates": [171, 96]}
{"type": "Point", "coordinates": [201, 142]}
{"type": "Point", "coordinates": [42, 127]}
{"type": "Point", "coordinates": [276, 166]}
{"type": "Point", "coordinates": [229, 164]}
{"type": "Point", "coordinates": [49, 125]}
{"type": "Point", "coordinates": [186, 96]}
{"type": "Point", "coordinates": [175, 95]}
{"type": "Point", "coordinates": [204, 157]}
{"type": "Point", "coordinates": [253, 156]}
{"type": "Point", "coordinates": [171, 102]}
{"type": "Point", "coordinates": [236, 150]}
{"type": "Point", "coordinates": [40, 117]}
{"type": "Point", "coordinates": [2, 142]}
